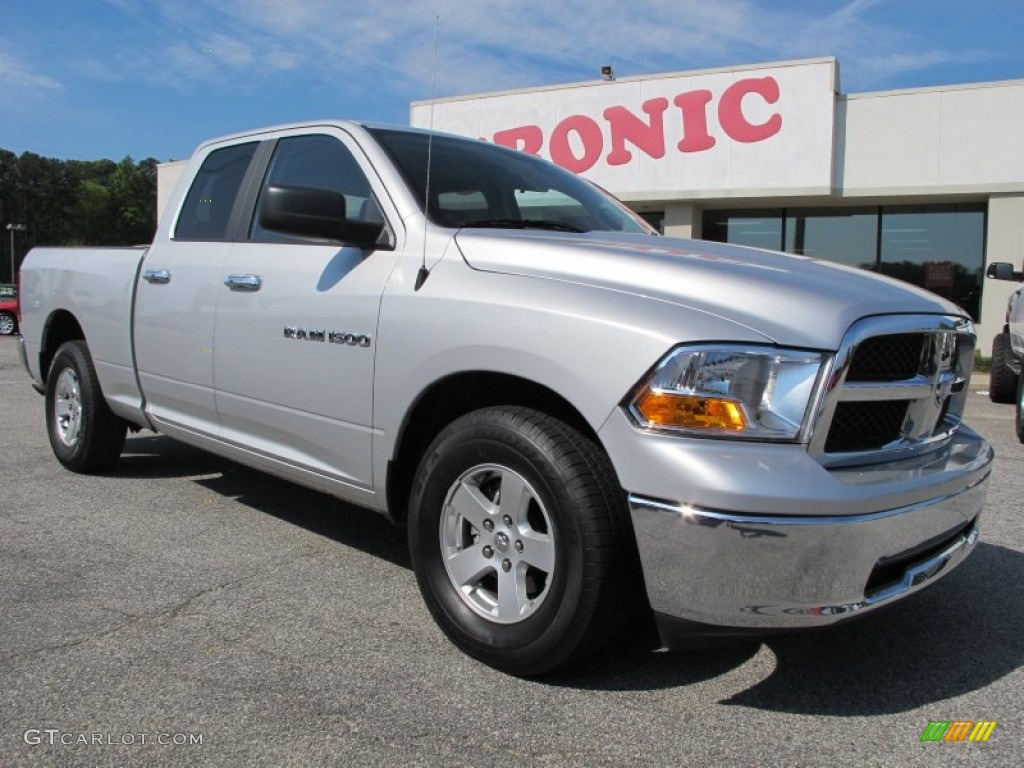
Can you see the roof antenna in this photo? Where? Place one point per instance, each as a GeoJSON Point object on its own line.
{"type": "Point", "coordinates": [424, 273]}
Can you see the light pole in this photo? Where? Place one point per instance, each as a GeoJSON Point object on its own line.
{"type": "Point", "coordinates": [12, 228]}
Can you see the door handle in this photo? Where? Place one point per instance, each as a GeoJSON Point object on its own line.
{"type": "Point", "coordinates": [156, 276]}
{"type": "Point", "coordinates": [243, 282]}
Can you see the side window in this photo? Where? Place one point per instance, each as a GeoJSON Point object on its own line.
{"type": "Point", "coordinates": [207, 208]}
{"type": "Point", "coordinates": [321, 162]}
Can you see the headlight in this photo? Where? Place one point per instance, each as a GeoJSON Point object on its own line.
{"type": "Point", "coordinates": [758, 393]}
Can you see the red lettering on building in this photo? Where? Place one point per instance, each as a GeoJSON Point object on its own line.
{"type": "Point", "coordinates": [730, 110]}
{"type": "Point", "coordinates": [589, 134]}
{"type": "Point", "coordinates": [693, 105]}
{"type": "Point", "coordinates": [577, 141]}
{"type": "Point", "coordinates": [525, 138]}
{"type": "Point", "coordinates": [649, 137]}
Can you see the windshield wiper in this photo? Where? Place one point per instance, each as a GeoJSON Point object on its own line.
{"type": "Point", "coordinates": [555, 226]}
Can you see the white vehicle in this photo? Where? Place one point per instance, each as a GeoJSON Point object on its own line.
{"type": "Point", "coordinates": [581, 423]}
{"type": "Point", "coordinates": [1008, 348]}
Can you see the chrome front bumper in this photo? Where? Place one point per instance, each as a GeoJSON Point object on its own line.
{"type": "Point", "coordinates": [724, 572]}
{"type": "Point", "coordinates": [779, 572]}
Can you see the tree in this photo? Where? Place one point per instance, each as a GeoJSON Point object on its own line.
{"type": "Point", "coordinates": [76, 202]}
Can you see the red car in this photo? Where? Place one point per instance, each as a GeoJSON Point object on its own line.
{"type": "Point", "coordinates": [8, 309]}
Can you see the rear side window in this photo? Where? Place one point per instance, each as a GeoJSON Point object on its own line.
{"type": "Point", "coordinates": [209, 202]}
{"type": "Point", "coordinates": [321, 162]}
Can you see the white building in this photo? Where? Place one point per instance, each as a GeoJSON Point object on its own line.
{"type": "Point", "coordinates": [925, 184]}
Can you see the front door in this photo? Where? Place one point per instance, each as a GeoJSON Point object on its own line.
{"type": "Point", "coordinates": [296, 322]}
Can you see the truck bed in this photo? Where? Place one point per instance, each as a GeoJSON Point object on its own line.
{"type": "Point", "coordinates": [95, 286]}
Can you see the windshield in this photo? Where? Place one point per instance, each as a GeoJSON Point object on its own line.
{"type": "Point", "coordinates": [476, 184]}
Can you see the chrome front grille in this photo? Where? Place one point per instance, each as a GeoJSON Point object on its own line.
{"type": "Point", "coordinates": [866, 425]}
{"type": "Point", "coordinates": [888, 358]}
{"type": "Point", "coordinates": [897, 387]}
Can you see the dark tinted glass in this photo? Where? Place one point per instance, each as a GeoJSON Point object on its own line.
{"type": "Point", "coordinates": [209, 202]}
{"type": "Point", "coordinates": [941, 248]}
{"type": "Point", "coordinates": [938, 247]}
{"type": "Point", "coordinates": [656, 219]}
{"type": "Point", "coordinates": [319, 162]}
{"type": "Point", "coordinates": [758, 229]}
{"type": "Point", "coordinates": [846, 235]}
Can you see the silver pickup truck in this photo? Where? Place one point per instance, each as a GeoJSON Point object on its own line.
{"type": "Point", "coordinates": [581, 423]}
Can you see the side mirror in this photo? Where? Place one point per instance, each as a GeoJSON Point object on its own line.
{"type": "Point", "coordinates": [319, 213]}
{"type": "Point", "coordinates": [1002, 270]}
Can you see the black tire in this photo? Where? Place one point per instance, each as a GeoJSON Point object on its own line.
{"type": "Point", "coordinates": [593, 590]}
{"type": "Point", "coordinates": [1002, 386]}
{"type": "Point", "coordinates": [8, 324]}
{"type": "Point", "coordinates": [84, 434]}
{"type": "Point", "coordinates": [1018, 417]}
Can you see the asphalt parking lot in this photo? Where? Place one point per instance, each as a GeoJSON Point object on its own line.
{"type": "Point", "coordinates": [184, 598]}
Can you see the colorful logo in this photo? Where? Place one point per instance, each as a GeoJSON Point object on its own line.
{"type": "Point", "coordinates": [958, 730]}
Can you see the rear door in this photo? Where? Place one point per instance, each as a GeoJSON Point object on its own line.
{"type": "Point", "coordinates": [179, 285]}
{"type": "Point", "coordinates": [296, 322]}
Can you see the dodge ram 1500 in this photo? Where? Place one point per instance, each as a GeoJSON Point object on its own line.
{"type": "Point", "coordinates": [581, 423]}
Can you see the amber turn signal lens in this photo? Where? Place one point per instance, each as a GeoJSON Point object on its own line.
{"type": "Point", "coordinates": [666, 409]}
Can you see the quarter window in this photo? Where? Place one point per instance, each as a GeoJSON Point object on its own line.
{"type": "Point", "coordinates": [208, 205]}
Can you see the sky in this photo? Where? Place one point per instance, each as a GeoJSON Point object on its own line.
{"type": "Point", "coordinates": [88, 79]}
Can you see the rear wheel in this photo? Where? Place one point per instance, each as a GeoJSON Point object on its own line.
{"type": "Point", "coordinates": [7, 324]}
{"type": "Point", "coordinates": [1002, 386]}
{"type": "Point", "coordinates": [84, 434]}
{"type": "Point", "coordinates": [520, 541]}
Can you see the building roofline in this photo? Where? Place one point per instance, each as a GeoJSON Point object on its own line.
{"type": "Point", "coordinates": [935, 89]}
{"type": "Point", "coordinates": [632, 79]}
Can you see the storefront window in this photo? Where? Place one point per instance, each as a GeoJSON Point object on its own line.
{"type": "Point", "coordinates": [846, 235]}
{"type": "Point", "coordinates": [656, 219]}
{"type": "Point", "coordinates": [938, 247]}
{"type": "Point", "coordinates": [759, 229]}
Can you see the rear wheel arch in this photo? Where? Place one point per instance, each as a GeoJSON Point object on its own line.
{"type": "Point", "coordinates": [61, 326]}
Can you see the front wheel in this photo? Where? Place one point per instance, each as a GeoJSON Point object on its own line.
{"type": "Point", "coordinates": [520, 541]}
{"type": "Point", "coordinates": [84, 434]}
{"type": "Point", "coordinates": [7, 324]}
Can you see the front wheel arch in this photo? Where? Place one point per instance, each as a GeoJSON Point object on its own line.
{"type": "Point", "coordinates": [445, 400]}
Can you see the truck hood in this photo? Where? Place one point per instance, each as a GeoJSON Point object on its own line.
{"type": "Point", "coordinates": [792, 300]}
